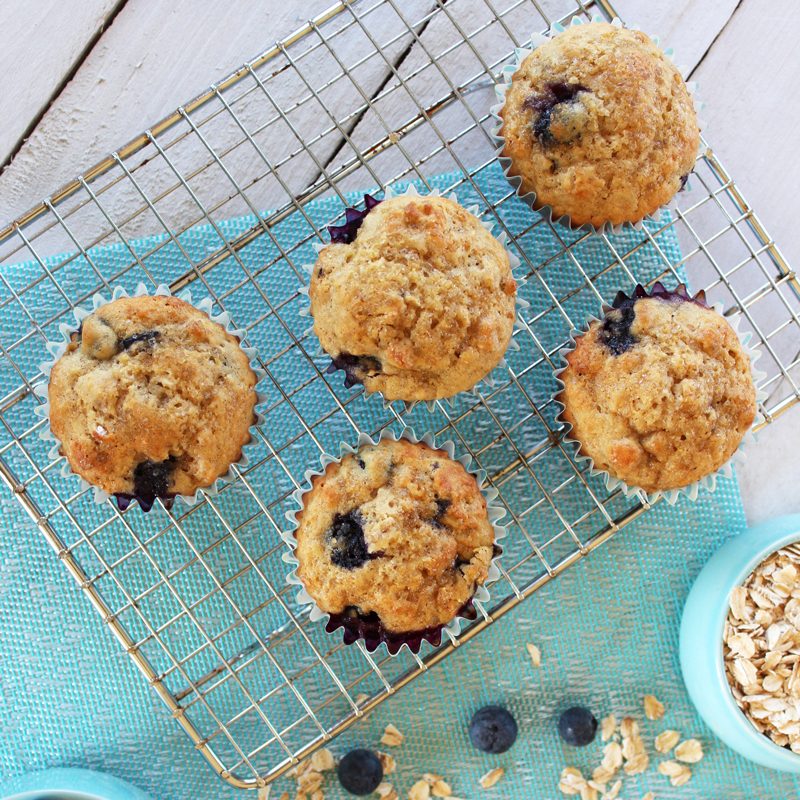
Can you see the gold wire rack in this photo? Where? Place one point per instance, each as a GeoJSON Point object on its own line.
{"type": "Point", "coordinates": [369, 93]}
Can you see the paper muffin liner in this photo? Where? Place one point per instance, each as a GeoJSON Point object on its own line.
{"type": "Point", "coordinates": [362, 628]}
{"type": "Point", "coordinates": [353, 217]}
{"type": "Point", "coordinates": [708, 482]}
{"type": "Point", "coordinates": [506, 75]}
{"type": "Point", "coordinates": [57, 349]}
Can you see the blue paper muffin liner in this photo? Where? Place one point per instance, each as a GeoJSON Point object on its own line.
{"type": "Point", "coordinates": [57, 349]}
{"type": "Point", "coordinates": [708, 482]}
{"type": "Point", "coordinates": [412, 640]}
{"type": "Point", "coordinates": [353, 217]}
{"type": "Point", "coordinates": [529, 198]}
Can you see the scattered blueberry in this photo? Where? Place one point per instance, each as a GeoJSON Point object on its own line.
{"type": "Point", "coordinates": [148, 337]}
{"type": "Point", "coordinates": [353, 219]}
{"type": "Point", "coordinates": [356, 368]}
{"type": "Point", "coordinates": [615, 333]}
{"type": "Point", "coordinates": [555, 94]}
{"type": "Point", "coordinates": [441, 509]}
{"type": "Point", "coordinates": [577, 726]}
{"type": "Point", "coordinates": [151, 479]}
{"type": "Point", "coordinates": [360, 772]}
{"type": "Point", "coordinates": [346, 537]}
{"type": "Point", "coordinates": [492, 729]}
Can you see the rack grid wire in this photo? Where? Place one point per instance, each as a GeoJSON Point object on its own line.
{"type": "Point", "coordinates": [369, 93]}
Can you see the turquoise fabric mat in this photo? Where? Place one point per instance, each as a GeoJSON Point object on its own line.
{"type": "Point", "coordinates": [607, 628]}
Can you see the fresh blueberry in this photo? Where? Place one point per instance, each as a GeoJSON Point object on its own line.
{"type": "Point", "coordinates": [577, 726]}
{"type": "Point", "coordinates": [151, 479]}
{"type": "Point", "coordinates": [492, 729]}
{"type": "Point", "coordinates": [360, 772]}
{"type": "Point", "coordinates": [346, 538]}
{"type": "Point", "coordinates": [148, 337]}
{"type": "Point", "coordinates": [544, 104]}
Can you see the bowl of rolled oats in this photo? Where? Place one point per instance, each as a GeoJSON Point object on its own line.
{"type": "Point", "coordinates": [740, 643]}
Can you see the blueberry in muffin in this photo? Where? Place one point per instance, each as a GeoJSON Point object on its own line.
{"type": "Point", "coordinates": [413, 298]}
{"type": "Point", "coordinates": [599, 124]}
{"type": "Point", "coordinates": [151, 399]}
{"type": "Point", "coordinates": [659, 393]}
{"type": "Point", "coordinates": [392, 542]}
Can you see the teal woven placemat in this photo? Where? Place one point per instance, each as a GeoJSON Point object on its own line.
{"type": "Point", "coordinates": [607, 628]}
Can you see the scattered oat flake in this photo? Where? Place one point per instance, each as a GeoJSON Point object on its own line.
{"type": "Point", "coordinates": [318, 795]}
{"type": "Point", "coordinates": [284, 795]}
{"type": "Point", "coordinates": [678, 774]}
{"type": "Point", "coordinates": [690, 751]}
{"type": "Point", "coordinates": [613, 792]}
{"type": "Point", "coordinates": [440, 788]}
{"type": "Point", "coordinates": [653, 707]}
{"type": "Point", "coordinates": [637, 764]}
{"type": "Point", "coordinates": [588, 792]}
{"type": "Point", "coordinates": [535, 653]}
{"type": "Point", "coordinates": [384, 790]}
{"type": "Point", "coordinates": [361, 699]}
{"type": "Point", "coordinates": [572, 781]}
{"type": "Point", "coordinates": [387, 762]}
{"type": "Point", "coordinates": [666, 740]}
{"type": "Point", "coordinates": [492, 777]}
{"type": "Point", "coordinates": [649, 796]}
{"type": "Point", "coordinates": [392, 737]}
{"type": "Point", "coordinates": [629, 727]}
{"type": "Point", "coordinates": [323, 760]}
{"type": "Point", "coordinates": [421, 790]}
{"type": "Point", "coordinates": [608, 727]}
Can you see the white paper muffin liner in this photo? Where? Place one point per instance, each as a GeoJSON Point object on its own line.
{"type": "Point", "coordinates": [57, 349]}
{"type": "Point", "coordinates": [489, 380]}
{"type": "Point", "coordinates": [708, 482]}
{"type": "Point", "coordinates": [507, 73]}
{"type": "Point", "coordinates": [494, 510]}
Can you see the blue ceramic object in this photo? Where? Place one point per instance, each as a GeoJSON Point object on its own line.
{"type": "Point", "coordinates": [69, 784]}
{"type": "Point", "coordinates": [701, 640]}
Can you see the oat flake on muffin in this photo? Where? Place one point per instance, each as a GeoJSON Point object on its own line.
{"type": "Point", "coordinates": [660, 392]}
{"type": "Point", "coordinates": [397, 530]}
{"type": "Point", "coordinates": [151, 399]}
{"type": "Point", "coordinates": [600, 125]}
{"type": "Point", "coordinates": [415, 299]}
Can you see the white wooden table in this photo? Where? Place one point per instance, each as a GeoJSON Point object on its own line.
{"type": "Point", "coordinates": [82, 77]}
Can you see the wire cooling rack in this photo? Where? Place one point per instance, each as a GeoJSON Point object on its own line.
{"type": "Point", "coordinates": [367, 94]}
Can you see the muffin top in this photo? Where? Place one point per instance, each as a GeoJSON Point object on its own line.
{"type": "Point", "coordinates": [151, 399]}
{"type": "Point", "coordinates": [599, 123]}
{"type": "Point", "coordinates": [660, 393]}
{"type": "Point", "coordinates": [398, 529]}
{"type": "Point", "coordinates": [419, 305]}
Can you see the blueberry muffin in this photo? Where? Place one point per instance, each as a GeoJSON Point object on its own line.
{"type": "Point", "coordinates": [397, 534]}
{"type": "Point", "coordinates": [414, 299]}
{"type": "Point", "coordinates": [151, 399]}
{"type": "Point", "coordinates": [600, 125]}
{"type": "Point", "coordinates": [660, 392]}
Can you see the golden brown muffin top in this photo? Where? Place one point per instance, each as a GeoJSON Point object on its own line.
{"type": "Point", "coordinates": [398, 529]}
{"type": "Point", "coordinates": [660, 393]}
{"type": "Point", "coordinates": [151, 398]}
{"type": "Point", "coordinates": [420, 305]}
{"type": "Point", "coordinates": [599, 123]}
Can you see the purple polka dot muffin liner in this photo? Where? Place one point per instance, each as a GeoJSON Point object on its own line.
{"type": "Point", "coordinates": [57, 349]}
{"type": "Point", "coordinates": [346, 233]}
{"type": "Point", "coordinates": [506, 75]}
{"type": "Point", "coordinates": [708, 482]}
{"type": "Point", "coordinates": [367, 628]}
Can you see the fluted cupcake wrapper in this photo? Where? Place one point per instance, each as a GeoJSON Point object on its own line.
{"type": "Point", "coordinates": [708, 482]}
{"type": "Point", "coordinates": [57, 349]}
{"type": "Point", "coordinates": [506, 75]}
{"type": "Point", "coordinates": [488, 381]}
{"type": "Point", "coordinates": [411, 640]}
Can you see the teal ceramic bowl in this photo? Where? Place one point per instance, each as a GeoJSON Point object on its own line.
{"type": "Point", "coordinates": [701, 640]}
{"type": "Point", "coordinates": [69, 784]}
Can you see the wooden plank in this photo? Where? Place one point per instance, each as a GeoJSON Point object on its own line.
{"type": "Point", "coordinates": [149, 62]}
{"type": "Point", "coordinates": [40, 42]}
{"type": "Point", "coordinates": [748, 79]}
